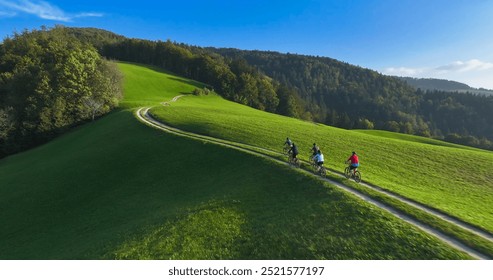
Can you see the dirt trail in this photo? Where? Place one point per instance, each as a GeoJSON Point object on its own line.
{"type": "Point", "coordinates": [144, 116]}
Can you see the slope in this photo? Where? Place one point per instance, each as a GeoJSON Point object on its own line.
{"type": "Point", "coordinates": [446, 178]}
{"type": "Point", "coordinates": [117, 189]}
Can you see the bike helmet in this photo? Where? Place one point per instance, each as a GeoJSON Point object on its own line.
{"type": "Point", "coordinates": [354, 152]}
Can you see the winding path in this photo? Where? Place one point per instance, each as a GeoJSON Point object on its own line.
{"type": "Point", "coordinates": [144, 116]}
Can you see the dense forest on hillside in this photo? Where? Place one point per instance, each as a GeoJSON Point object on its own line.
{"type": "Point", "coordinates": [313, 88]}
{"type": "Point", "coordinates": [51, 81]}
{"type": "Point", "coordinates": [234, 79]}
{"type": "Point", "coordinates": [347, 96]}
{"type": "Point", "coordinates": [435, 84]}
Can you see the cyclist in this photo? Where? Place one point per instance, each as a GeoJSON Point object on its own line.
{"type": "Point", "coordinates": [288, 142]}
{"type": "Point", "coordinates": [354, 162]}
{"type": "Point", "coordinates": [287, 145]}
{"type": "Point", "coordinates": [319, 159]}
{"type": "Point", "coordinates": [315, 149]}
{"type": "Point", "coordinates": [293, 151]}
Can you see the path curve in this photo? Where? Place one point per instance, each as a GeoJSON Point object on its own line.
{"type": "Point", "coordinates": [453, 220]}
{"type": "Point", "coordinates": [144, 116]}
{"type": "Point", "coordinates": [166, 103]}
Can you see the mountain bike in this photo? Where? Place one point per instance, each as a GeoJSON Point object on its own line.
{"type": "Point", "coordinates": [311, 161]}
{"type": "Point", "coordinates": [285, 149]}
{"type": "Point", "coordinates": [355, 174]}
{"type": "Point", "coordinates": [320, 170]}
{"type": "Point", "coordinates": [294, 161]}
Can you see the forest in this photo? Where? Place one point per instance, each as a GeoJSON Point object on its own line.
{"type": "Point", "coordinates": [317, 89]}
{"type": "Point", "coordinates": [49, 82]}
{"type": "Point", "coordinates": [428, 84]}
{"type": "Point", "coordinates": [312, 88]}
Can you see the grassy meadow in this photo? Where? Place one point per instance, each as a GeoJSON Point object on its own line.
{"type": "Point", "coordinates": [453, 179]}
{"type": "Point", "coordinates": [117, 189]}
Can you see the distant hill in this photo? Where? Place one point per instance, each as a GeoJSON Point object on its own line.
{"type": "Point", "coordinates": [429, 84]}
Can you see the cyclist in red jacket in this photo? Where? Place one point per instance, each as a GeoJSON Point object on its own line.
{"type": "Point", "coordinates": [353, 159]}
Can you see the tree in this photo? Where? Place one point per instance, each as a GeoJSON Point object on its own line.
{"type": "Point", "coordinates": [392, 126]}
{"type": "Point", "coordinates": [48, 78]}
{"type": "Point", "coordinates": [267, 95]}
{"type": "Point", "coordinates": [287, 102]}
{"type": "Point", "coordinates": [7, 123]}
{"type": "Point", "coordinates": [365, 124]}
{"type": "Point", "coordinates": [94, 106]}
{"type": "Point", "coordinates": [249, 91]}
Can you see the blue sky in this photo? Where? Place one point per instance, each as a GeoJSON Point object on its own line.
{"type": "Point", "coordinates": [434, 38]}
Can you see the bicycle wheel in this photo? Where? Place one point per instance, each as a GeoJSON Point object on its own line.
{"type": "Point", "coordinates": [323, 171]}
{"type": "Point", "coordinates": [313, 165]}
{"type": "Point", "coordinates": [347, 172]}
{"type": "Point", "coordinates": [357, 176]}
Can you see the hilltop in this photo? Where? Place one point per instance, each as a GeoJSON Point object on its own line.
{"type": "Point", "coordinates": [443, 85]}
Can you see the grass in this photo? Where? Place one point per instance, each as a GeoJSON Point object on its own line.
{"type": "Point", "coordinates": [117, 191]}
{"type": "Point", "coordinates": [416, 139]}
{"type": "Point", "coordinates": [473, 241]}
{"type": "Point", "coordinates": [148, 86]}
{"type": "Point", "coordinates": [453, 180]}
{"type": "Point", "coordinates": [116, 188]}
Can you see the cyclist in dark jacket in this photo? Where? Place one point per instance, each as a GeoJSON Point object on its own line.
{"type": "Point", "coordinates": [293, 151]}
{"type": "Point", "coordinates": [315, 149]}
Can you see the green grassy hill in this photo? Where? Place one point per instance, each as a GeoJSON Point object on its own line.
{"type": "Point", "coordinates": [451, 178]}
{"type": "Point", "coordinates": [417, 139]}
{"type": "Point", "coordinates": [116, 188]}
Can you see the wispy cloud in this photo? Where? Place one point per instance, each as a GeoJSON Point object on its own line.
{"type": "Point", "coordinates": [42, 9]}
{"type": "Point", "coordinates": [89, 15]}
{"type": "Point", "coordinates": [403, 71]}
{"type": "Point", "coordinates": [4, 14]}
{"type": "Point", "coordinates": [475, 72]}
{"type": "Point", "coordinates": [465, 66]}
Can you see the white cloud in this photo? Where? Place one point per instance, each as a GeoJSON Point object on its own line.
{"type": "Point", "coordinates": [465, 66]}
{"type": "Point", "coordinates": [43, 9]}
{"type": "Point", "coordinates": [89, 15]}
{"type": "Point", "coordinates": [403, 71]}
{"type": "Point", "coordinates": [474, 72]}
{"type": "Point", "coordinates": [4, 14]}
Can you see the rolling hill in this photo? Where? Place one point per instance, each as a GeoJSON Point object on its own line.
{"type": "Point", "coordinates": [443, 85]}
{"type": "Point", "coordinates": [448, 179]}
{"type": "Point", "coordinates": [116, 188]}
{"type": "Point", "coordinates": [314, 88]}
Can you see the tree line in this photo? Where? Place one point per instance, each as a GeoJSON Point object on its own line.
{"type": "Point", "coordinates": [343, 95]}
{"type": "Point", "coordinates": [314, 88]}
{"type": "Point", "coordinates": [235, 80]}
{"type": "Point", "coordinates": [49, 82]}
